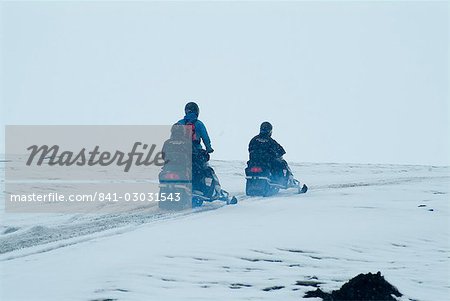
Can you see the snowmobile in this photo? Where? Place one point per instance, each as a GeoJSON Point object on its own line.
{"type": "Point", "coordinates": [262, 181]}
{"type": "Point", "coordinates": [190, 187]}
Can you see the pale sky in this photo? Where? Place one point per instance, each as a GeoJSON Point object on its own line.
{"type": "Point", "coordinates": [362, 82]}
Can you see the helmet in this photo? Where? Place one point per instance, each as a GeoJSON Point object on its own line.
{"type": "Point", "coordinates": [191, 107]}
{"type": "Point", "coordinates": [265, 128]}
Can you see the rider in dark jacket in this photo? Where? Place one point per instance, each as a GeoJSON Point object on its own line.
{"type": "Point", "coordinates": [264, 149]}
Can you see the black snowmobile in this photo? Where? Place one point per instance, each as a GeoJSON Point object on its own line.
{"type": "Point", "coordinates": [189, 185]}
{"type": "Point", "coordinates": [263, 181]}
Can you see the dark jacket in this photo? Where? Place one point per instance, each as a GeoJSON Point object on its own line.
{"type": "Point", "coordinates": [263, 148]}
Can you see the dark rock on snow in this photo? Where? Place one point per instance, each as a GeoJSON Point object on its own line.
{"type": "Point", "coordinates": [364, 287]}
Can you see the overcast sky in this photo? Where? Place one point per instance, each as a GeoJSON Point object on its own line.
{"type": "Point", "coordinates": [356, 82]}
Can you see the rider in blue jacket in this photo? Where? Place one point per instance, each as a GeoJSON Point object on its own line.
{"type": "Point", "coordinates": [199, 130]}
{"type": "Point", "coordinates": [200, 157]}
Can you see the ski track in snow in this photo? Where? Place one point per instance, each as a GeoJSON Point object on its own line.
{"type": "Point", "coordinates": [14, 239]}
{"type": "Point", "coordinates": [262, 266]}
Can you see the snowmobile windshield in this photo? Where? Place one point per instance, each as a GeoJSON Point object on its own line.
{"type": "Point", "coordinates": [178, 132]}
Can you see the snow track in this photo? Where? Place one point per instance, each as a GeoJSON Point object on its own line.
{"type": "Point", "coordinates": [80, 229]}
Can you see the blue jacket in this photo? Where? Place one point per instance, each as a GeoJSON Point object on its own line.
{"type": "Point", "coordinates": [200, 131]}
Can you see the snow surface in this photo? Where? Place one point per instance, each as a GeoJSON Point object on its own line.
{"type": "Point", "coordinates": [354, 219]}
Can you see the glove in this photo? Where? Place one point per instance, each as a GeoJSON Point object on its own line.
{"type": "Point", "coordinates": [209, 150]}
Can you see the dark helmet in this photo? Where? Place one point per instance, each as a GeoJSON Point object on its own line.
{"type": "Point", "coordinates": [265, 128]}
{"type": "Point", "coordinates": [191, 107]}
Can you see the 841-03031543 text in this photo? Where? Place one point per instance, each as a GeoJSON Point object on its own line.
{"type": "Point", "coordinates": [96, 197]}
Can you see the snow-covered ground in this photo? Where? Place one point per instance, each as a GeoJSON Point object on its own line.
{"type": "Point", "coordinates": [354, 219]}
